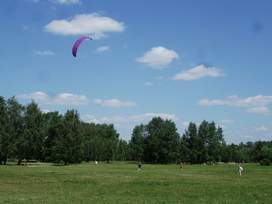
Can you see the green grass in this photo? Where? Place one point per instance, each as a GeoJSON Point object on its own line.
{"type": "Point", "coordinates": [119, 182]}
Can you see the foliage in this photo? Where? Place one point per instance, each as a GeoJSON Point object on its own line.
{"type": "Point", "coordinates": [26, 133]}
{"type": "Point", "coordinates": [69, 141]}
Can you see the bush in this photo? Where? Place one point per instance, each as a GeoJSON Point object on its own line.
{"type": "Point", "coordinates": [265, 162]}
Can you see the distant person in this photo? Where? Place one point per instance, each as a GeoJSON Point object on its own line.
{"type": "Point", "coordinates": [24, 162]}
{"type": "Point", "coordinates": [96, 163]}
{"type": "Point", "coordinates": [181, 165]}
{"type": "Point", "coordinates": [139, 167]}
{"type": "Point", "coordinates": [240, 169]}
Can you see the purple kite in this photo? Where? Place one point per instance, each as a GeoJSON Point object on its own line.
{"type": "Point", "coordinates": [77, 43]}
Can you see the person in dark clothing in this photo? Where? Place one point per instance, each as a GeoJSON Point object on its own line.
{"type": "Point", "coordinates": [139, 167]}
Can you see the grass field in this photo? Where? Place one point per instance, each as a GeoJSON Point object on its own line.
{"type": "Point", "coordinates": [119, 182]}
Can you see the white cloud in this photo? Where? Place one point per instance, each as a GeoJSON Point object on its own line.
{"type": "Point", "coordinates": [185, 124]}
{"type": "Point", "coordinates": [98, 101]}
{"type": "Point", "coordinates": [148, 84]}
{"type": "Point", "coordinates": [227, 121]}
{"type": "Point", "coordinates": [103, 49]}
{"type": "Point", "coordinates": [67, 1]}
{"type": "Point", "coordinates": [259, 100]}
{"type": "Point", "coordinates": [134, 118]}
{"type": "Point", "coordinates": [261, 129]}
{"type": "Point", "coordinates": [114, 103]}
{"type": "Point", "coordinates": [198, 72]}
{"type": "Point", "coordinates": [149, 116]}
{"type": "Point", "coordinates": [46, 52]}
{"type": "Point", "coordinates": [85, 24]}
{"type": "Point", "coordinates": [61, 99]}
{"type": "Point", "coordinates": [257, 104]}
{"type": "Point", "coordinates": [262, 110]}
{"type": "Point", "coordinates": [46, 111]}
{"type": "Point", "coordinates": [158, 57]}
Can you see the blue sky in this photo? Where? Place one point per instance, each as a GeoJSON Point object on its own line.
{"type": "Point", "coordinates": [187, 61]}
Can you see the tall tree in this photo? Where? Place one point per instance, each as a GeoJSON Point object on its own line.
{"type": "Point", "coordinates": [110, 141]}
{"type": "Point", "coordinates": [136, 144]}
{"type": "Point", "coordinates": [184, 151]}
{"type": "Point", "coordinates": [151, 140]}
{"type": "Point", "coordinates": [16, 121]}
{"type": "Point", "coordinates": [5, 137]}
{"type": "Point", "coordinates": [169, 143]}
{"type": "Point", "coordinates": [53, 122]}
{"type": "Point", "coordinates": [162, 141]}
{"type": "Point", "coordinates": [90, 149]}
{"type": "Point", "coordinates": [68, 145]}
{"type": "Point", "coordinates": [122, 150]}
{"type": "Point", "coordinates": [205, 134]}
{"type": "Point", "coordinates": [193, 142]}
{"type": "Point", "coordinates": [34, 132]}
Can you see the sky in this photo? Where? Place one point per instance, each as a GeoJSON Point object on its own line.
{"type": "Point", "coordinates": [185, 61]}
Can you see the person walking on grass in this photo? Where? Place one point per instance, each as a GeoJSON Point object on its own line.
{"type": "Point", "coordinates": [240, 169]}
{"type": "Point", "coordinates": [139, 167]}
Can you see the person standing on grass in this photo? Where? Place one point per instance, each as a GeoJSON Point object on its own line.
{"type": "Point", "coordinates": [181, 165]}
{"type": "Point", "coordinates": [240, 169]}
{"type": "Point", "coordinates": [139, 167]}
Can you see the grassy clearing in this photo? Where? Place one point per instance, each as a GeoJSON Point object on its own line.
{"type": "Point", "coordinates": [120, 182]}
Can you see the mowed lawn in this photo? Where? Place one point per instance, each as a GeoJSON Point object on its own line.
{"type": "Point", "coordinates": [119, 182]}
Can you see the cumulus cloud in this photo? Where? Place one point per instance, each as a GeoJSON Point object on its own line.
{"type": "Point", "coordinates": [85, 24]}
{"type": "Point", "coordinates": [46, 52]}
{"type": "Point", "coordinates": [114, 103]}
{"type": "Point", "coordinates": [67, 1]}
{"type": "Point", "coordinates": [257, 104]}
{"type": "Point", "coordinates": [198, 72]}
{"type": "Point", "coordinates": [61, 99]}
{"type": "Point", "coordinates": [158, 57]}
{"type": "Point", "coordinates": [103, 49]}
{"type": "Point", "coordinates": [134, 118]}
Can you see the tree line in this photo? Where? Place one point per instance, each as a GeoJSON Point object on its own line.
{"type": "Point", "coordinates": [26, 133]}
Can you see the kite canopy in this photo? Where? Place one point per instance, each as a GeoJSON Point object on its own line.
{"type": "Point", "coordinates": [77, 43]}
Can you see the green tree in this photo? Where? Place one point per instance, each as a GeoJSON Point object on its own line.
{"type": "Point", "coordinates": [203, 144]}
{"type": "Point", "coordinates": [136, 144]}
{"type": "Point", "coordinates": [162, 141]}
{"type": "Point", "coordinates": [53, 122]}
{"type": "Point", "coordinates": [100, 142]}
{"type": "Point", "coordinates": [16, 129]}
{"type": "Point", "coordinates": [151, 140]}
{"type": "Point", "coordinates": [193, 142]}
{"type": "Point", "coordinates": [5, 137]}
{"type": "Point", "coordinates": [214, 143]}
{"type": "Point", "coordinates": [68, 146]}
{"type": "Point", "coordinates": [266, 156]}
{"type": "Point", "coordinates": [109, 142]}
{"type": "Point", "coordinates": [184, 151]}
{"type": "Point", "coordinates": [122, 150]}
{"type": "Point", "coordinates": [34, 132]}
{"type": "Point", "coordinates": [205, 135]}
{"type": "Point", "coordinates": [89, 145]}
